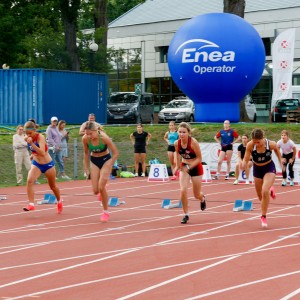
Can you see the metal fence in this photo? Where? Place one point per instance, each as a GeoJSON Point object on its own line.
{"type": "Point", "coordinates": [74, 164]}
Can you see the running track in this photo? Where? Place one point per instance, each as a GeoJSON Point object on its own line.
{"type": "Point", "coordinates": [144, 252]}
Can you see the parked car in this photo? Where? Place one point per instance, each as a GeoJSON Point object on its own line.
{"type": "Point", "coordinates": [128, 107]}
{"type": "Point", "coordinates": [278, 113]}
{"type": "Point", "coordinates": [177, 110]}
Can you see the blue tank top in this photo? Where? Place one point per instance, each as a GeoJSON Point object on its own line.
{"type": "Point", "coordinates": [172, 137]}
{"type": "Point", "coordinates": [262, 157]}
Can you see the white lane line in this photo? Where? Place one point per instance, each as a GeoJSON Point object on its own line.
{"type": "Point", "coordinates": [244, 284]}
{"type": "Point", "coordinates": [176, 278]}
{"type": "Point", "coordinates": [289, 296]}
{"type": "Point", "coordinates": [147, 271]}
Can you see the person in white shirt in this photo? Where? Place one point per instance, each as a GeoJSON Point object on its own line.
{"type": "Point", "coordinates": [288, 153]}
{"type": "Point", "coordinates": [21, 153]}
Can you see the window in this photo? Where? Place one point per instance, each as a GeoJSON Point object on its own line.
{"type": "Point", "coordinates": [163, 54]}
{"type": "Point", "coordinates": [267, 44]}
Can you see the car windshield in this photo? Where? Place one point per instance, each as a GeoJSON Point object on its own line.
{"type": "Point", "coordinates": [178, 104]}
{"type": "Point", "coordinates": [123, 98]}
{"type": "Point", "coordinates": [289, 102]}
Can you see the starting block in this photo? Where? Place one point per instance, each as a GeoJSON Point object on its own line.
{"type": "Point", "coordinates": [114, 201]}
{"type": "Point", "coordinates": [242, 205]}
{"type": "Point", "coordinates": [167, 204]}
{"type": "Point", "coordinates": [48, 199]}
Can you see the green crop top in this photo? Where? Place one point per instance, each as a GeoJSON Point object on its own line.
{"type": "Point", "coordinates": [98, 148]}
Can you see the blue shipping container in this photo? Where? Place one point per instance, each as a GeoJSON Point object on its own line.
{"type": "Point", "coordinates": [41, 94]}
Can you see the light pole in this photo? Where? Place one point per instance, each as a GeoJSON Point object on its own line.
{"type": "Point", "coordinates": [93, 49]}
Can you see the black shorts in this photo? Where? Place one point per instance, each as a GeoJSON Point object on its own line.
{"type": "Point", "coordinates": [171, 148]}
{"type": "Point", "coordinates": [287, 158]}
{"type": "Point", "coordinates": [100, 161]}
{"type": "Point", "coordinates": [261, 171]}
{"type": "Point", "coordinates": [140, 149]}
{"type": "Point", "coordinates": [226, 147]}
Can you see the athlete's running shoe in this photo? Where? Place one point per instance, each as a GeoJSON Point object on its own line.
{"type": "Point", "coordinates": [236, 182]}
{"type": "Point", "coordinates": [174, 177]}
{"type": "Point", "coordinates": [263, 222]}
{"type": "Point", "coordinates": [59, 206]}
{"type": "Point", "coordinates": [185, 219]}
{"type": "Point", "coordinates": [247, 181]}
{"type": "Point", "coordinates": [203, 203]}
{"type": "Point", "coordinates": [272, 192]}
{"type": "Point", "coordinates": [283, 183]}
{"type": "Point", "coordinates": [104, 217]}
{"type": "Point", "coordinates": [217, 176]}
{"type": "Point", "coordinates": [29, 207]}
{"type": "Point", "coordinates": [227, 177]}
{"type": "Point", "coordinates": [291, 183]}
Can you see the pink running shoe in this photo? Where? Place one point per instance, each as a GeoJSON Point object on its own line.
{"type": "Point", "coordinates": [29, 207]}
{"type": "Point", "coordinates": [174, 177]}
{"type": "Point", "coordinates": [59, 207]}
{"type": "Point", "coordinates": [263, 222]}
{"type": "Point", "coordinates": [272, 192]}
{"type": "Point", "coordinates": [104, 217]}
{"type": "Point", "coordinates": [99, 197]}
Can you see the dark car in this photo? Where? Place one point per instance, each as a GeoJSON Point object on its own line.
{"type": "Point", "coordinates": [279, 114]}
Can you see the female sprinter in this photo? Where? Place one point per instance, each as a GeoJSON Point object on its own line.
{"type": "Point", "coordinates": [190, 167]}
{"type": "Point", "coordinates": [41, 163]}
{"type": "Point", "coordinates": [98, 143]}
{"type": "Point", "coordinates": [264, 170]}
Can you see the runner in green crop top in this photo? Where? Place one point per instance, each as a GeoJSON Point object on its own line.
{"type": "Point", "coordinates": [102, 156]}
{"type": "Point", "coordinates": [98, 148]}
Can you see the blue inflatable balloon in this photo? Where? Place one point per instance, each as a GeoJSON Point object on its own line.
{"type": "Point", "coordinates": [216, 59]}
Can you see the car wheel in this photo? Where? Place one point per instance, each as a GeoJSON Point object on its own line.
{"type": "Point", "coordinates": [191, 118]}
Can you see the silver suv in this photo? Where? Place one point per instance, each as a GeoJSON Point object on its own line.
{"type": "Point", "coordinates": [177, 110]}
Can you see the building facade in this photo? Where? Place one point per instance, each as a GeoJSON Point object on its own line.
{"type": "Point", "coordinates": [143, 34]}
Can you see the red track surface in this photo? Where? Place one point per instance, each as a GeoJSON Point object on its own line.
{"type": "Point", "coordinates": [144, 252]}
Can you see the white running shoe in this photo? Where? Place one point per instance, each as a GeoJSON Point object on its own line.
{"type": "Point", "coordinates": [236, 182]}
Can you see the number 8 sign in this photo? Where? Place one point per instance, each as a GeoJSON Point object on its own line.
{"type": "Point", "coordinates": [158, 172]}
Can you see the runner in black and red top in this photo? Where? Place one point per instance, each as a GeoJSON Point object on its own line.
{"type": "Point", "coordinates": [190, 167]}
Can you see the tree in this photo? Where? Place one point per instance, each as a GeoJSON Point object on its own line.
{"type": "Point", "coordinates": [237, 7]}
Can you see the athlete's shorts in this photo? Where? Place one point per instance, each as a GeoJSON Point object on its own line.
{"type": "Point", "coordinates": [140, 149]}
{"type": "Point", "coordinates": [225, 148]}
{"type": "Point", "coordinates": [171, 148]}
{"type": "Point", "coordinates": [196, 171]}
{"type": "Point", "coordinates": [43, 167]}
{"type": "Point", "coordinates": [261, 171]}
{"type": "Point", "coordinates": [100, 161]}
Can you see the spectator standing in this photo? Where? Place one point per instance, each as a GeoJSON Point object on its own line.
{"type": "Point", "coordinates": [140, 139]}
{"type": "Point", "coordinates": [21, 153]}
{"type": "Point", "coordinates": [241, 153]}
{"type": "Point", "coordinates": [64, 139]}
{"type": "Point", "coordinates": [226, 138]}
{"type": "Point", "coordinates": [91, 118]}
{"type": "Point", "coordinates": [288, 152]}
{"type": "Point", "coordinates": [171, 137]}
{"type": "Point", "coordinates": [54, 144]}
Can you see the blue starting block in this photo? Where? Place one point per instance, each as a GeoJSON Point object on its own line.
{"type": "Point", "coordinates": [48, 199]}
{"type": "Point", "coordinates": [114, 201]}
{"type": "Point", "coordinates": [167, 204]}
{"type": "Point", "coordinates": [242, 205]}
